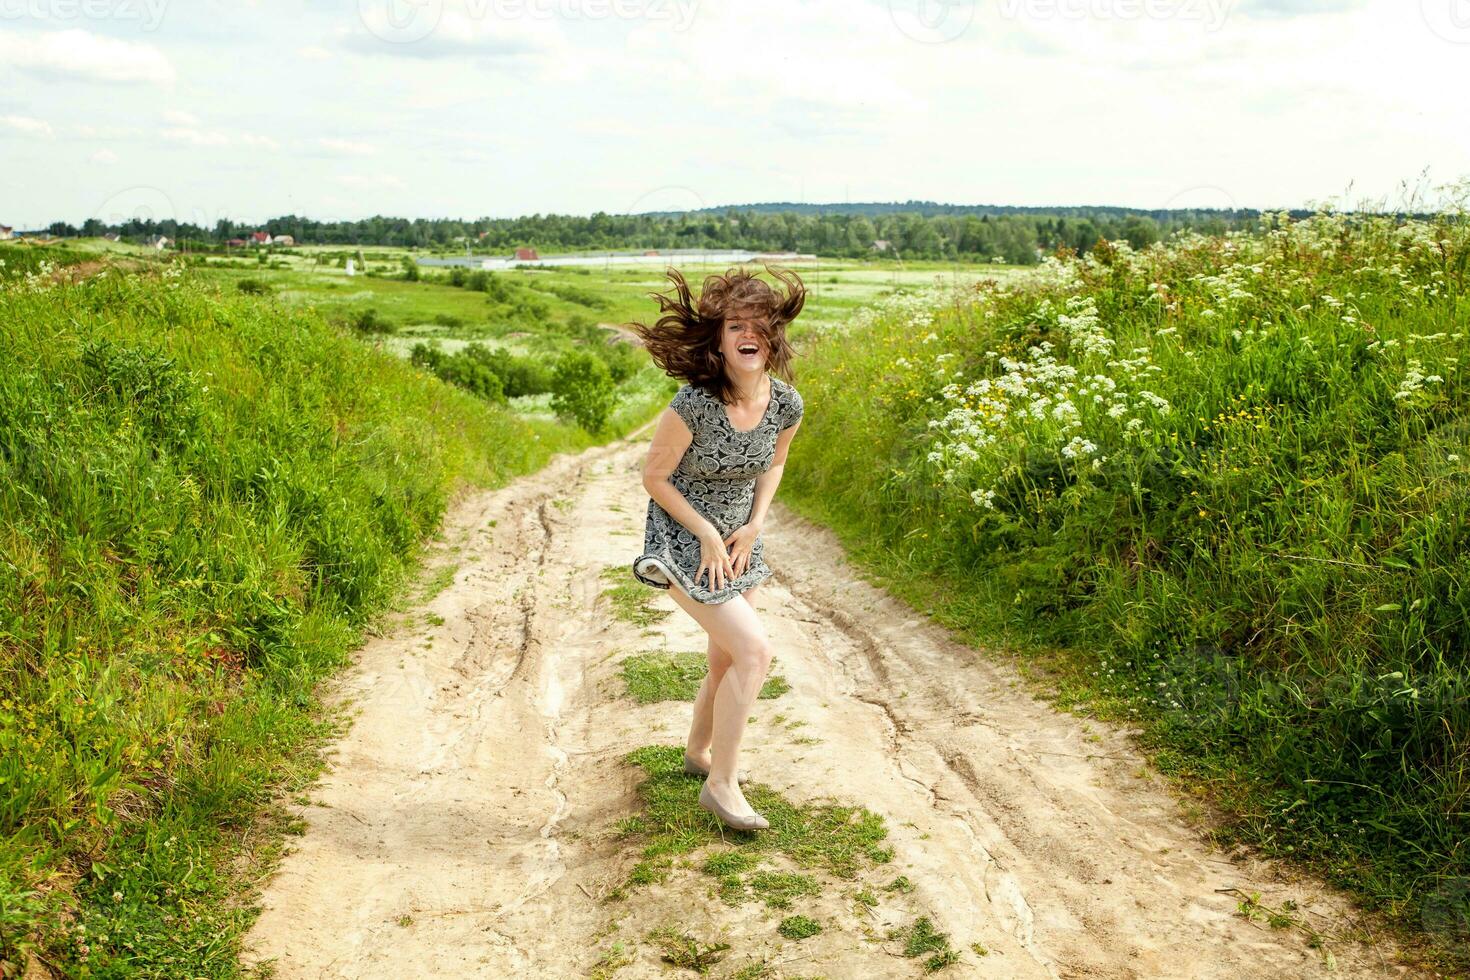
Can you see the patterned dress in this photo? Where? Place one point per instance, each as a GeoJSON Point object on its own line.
{"type": "Point", "coordinates": [717, 476]}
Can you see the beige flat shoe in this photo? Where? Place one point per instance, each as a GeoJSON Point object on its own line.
{"type": "Point", "coordinates": [693, 768]}
{"type": "Point", "coordinates": [708, 801]}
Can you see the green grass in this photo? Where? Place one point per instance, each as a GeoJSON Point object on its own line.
{"type": "Point", "coordinates": [611, 961]}
{"type": "Point", "coordinates": [807, 847]}
{"type": "Point", "coordinates": [839, 840]}
{"type": "Point", "coordinates": [206, 500]}
{"type": "Point", "coordinates": [659, 676]}
{"type": "Point", "coordinates": [799, 927]}
{"type": "Point", "coordinates": [684, 950]}
{"type": "Point", "coordinates": [19, 260]}
{"type": "Point", "coordinates": [526, 318]}
{"type": "Point", "coordinates": [1239, 518]}
{"type": "Point", "coordinates": [438, 582]}
{"type": "Point", "coordinates": [631, 600]}
{"type": "Point", "coordinates": [920, 939]}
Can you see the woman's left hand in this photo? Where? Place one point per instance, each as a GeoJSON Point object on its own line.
{"type": "Point", "coordinates": [740, 542]}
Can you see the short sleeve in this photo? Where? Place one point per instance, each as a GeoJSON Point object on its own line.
{"type": "Point", "coordinates": [686, 404]}
{"type": "Point", "coordinates": [794, 408]}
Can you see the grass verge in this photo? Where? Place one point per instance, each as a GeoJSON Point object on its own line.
{"type": "Point", "coordinates": [658, 676]}
{"type": "Point", "coordinates": [206, 502]}
{"type": "Point", "coordinates": [1216, 489]}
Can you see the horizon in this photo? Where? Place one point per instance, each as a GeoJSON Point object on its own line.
{"type": "Point", "coordinates": [818, 206]}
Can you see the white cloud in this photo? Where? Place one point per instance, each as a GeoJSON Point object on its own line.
{"type": "Point", "coordinates": [103, 156]}
{"type": "Point", "coordinates": [179, 118]}
{"type": "Point", "coordinates": [313, 52]}
{"type": "Point", "coordinates": [82, 54]}
{"type": "Point", "coordinates": [218, 138]}
{"type": "Point", "coordinates": [29, 126]}
{"type": "Point", "coordinates": [89, 132]}
{"type": "Point", "coordinates": [346, 148]}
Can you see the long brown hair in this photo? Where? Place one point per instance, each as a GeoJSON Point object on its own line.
{"type": "Point", "coordinates": [685, 341]}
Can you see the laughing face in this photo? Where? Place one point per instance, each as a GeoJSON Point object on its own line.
{"type": "Point", "coordinates": [743, 343]}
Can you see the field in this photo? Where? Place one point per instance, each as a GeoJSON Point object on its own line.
{"type": "Point", "coordinates": [312, 275]}
{"type": "Point", "coordinates": [1212, 492]}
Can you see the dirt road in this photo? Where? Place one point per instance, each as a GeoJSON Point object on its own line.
{"type": "Point", "coordinates": [468, 825]}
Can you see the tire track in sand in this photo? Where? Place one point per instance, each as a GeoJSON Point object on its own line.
{"type": "Point", "coordinates": [464, 826]}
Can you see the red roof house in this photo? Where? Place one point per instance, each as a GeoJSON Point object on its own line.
{"type": "Point", "coordinates": [527, 255]}
{"type": "Point", "coordinates": [260, 237]}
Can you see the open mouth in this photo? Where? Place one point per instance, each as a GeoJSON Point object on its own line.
{"type": "Point", "coordinates": [749, 350]}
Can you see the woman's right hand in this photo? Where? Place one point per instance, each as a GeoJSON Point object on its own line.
{"type": "Point", "coordinates": [714, 557]}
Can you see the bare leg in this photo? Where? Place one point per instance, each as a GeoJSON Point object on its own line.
{"type": "Point", "coordinates": [701, 728]}
{"type": "Point", "coordinates": [736, 629]}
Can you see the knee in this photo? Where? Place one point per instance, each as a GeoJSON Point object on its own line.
{"type": "Point", "coordinates": [753, 654]}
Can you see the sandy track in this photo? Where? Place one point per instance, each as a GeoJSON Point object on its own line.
{"type": "Point", "coordinates": [465, 827]}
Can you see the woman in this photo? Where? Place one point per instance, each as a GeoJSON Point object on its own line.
{"type": "Point", "coordinates": [715, 462]}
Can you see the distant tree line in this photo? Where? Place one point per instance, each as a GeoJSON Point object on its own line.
{"type": "Point", "coordinates": [918, 230]}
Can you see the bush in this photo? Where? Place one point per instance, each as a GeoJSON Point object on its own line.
{"type": "Point", "coordinates": [622, 360]}
{"type": "Point", "coordinates": [583, 389]}
{"type": "Point", "coordinates": [573, 294]}
{"type": "Point", "coordinates": [473, 369]}
{"type": "Point", "coordinates": [520, 375]}
{"type": "Point", "coordinates": [254, 287]}
{"type": "Point", "coordinates": [1227, 477]}
{"type": "Point", "coordinates": [369, 321]}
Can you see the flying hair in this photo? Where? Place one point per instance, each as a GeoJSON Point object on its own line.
{"type": "Point", "coordinates": [685, 340]}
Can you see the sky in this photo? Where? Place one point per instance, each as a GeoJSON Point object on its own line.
{"type": "Point", "coordinates": [211, 109]}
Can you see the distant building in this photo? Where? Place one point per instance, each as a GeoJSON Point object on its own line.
{"type": "Point", "coordinates": [652, 251]}
{"type": "Point", "coordinates": [6, 232]}
{"type": "Point", "coordinates": [283, 240]}
{"type": "Point", "coordinates": [236, 243]}
{"type": "Point", "coordinates": [111, 236]}
{"type": "Point", "coordinates": [526, 255]}
{"type": "Point", "coordinates": [162, 242]}
{"type": "Point", "coordinates": [880, 244]}
{"type": "Point", "coordinates": [260, 237]}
